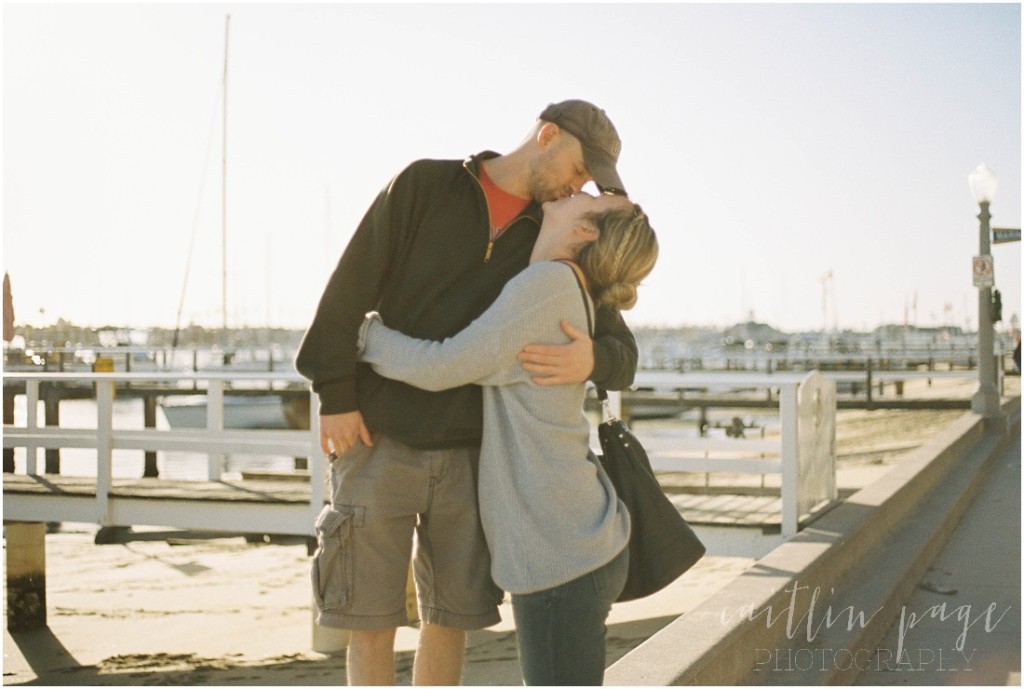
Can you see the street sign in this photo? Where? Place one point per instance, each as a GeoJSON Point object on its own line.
{"type": "Point", "coordinates": [984, 271]}
{"type": "Point", "coordinates": [1002, 235]}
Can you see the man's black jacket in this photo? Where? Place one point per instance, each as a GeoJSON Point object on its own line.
{"type": "Point", "coordinates": [418, 257]}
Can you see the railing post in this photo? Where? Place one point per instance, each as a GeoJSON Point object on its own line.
{"type": "Point", "coordinates": [215, 424]}
{"type": "Point", "coordinates": [790, 460]}
{"type": "Point", "coordinates": [615, 403]}
{"type": "Point", "coordinates": [104, 448]}
{"type": "Point", "coordinates": [31, 424]}
{"type": "Point", "coordinates": [317, 469]}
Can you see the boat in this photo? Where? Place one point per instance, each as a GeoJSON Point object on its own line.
{"type": "Point", "coordinates": [240, 412]}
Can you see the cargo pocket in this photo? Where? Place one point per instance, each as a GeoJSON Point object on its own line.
{"type": "Point", "coordinates": [332, 562]}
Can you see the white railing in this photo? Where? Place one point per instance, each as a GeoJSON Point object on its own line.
{"type": "Point", "coordinates": [215, 441]}
{"type": "Point", "coordinates": [671, 379]}
{"type": "Point", "coordinates": [245, 359]}
{"type": "Point", "coordinates": [804, 454]}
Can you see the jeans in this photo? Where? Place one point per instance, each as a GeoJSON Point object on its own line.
{"type": "Point", "coordinates": [561, 630]}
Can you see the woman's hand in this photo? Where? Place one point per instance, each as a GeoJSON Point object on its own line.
{"type": "Point", "coordinates": [560, 364]}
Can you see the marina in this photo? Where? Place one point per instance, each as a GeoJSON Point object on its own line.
{"type": "Point", "coordinates": [165, 388]}
{"type": "Point", "coordinates": [828, 378]}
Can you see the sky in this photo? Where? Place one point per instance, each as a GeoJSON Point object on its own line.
{"type": "Point", "coordinates": [772, 146]}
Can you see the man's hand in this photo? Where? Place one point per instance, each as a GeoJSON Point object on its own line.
{"type": "Point", "coordinates": [338, 432]}
{"type": "Point", "coordinates": [560, 364]}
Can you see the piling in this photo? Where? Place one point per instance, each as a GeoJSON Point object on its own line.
{"type": "Point", "coordinates": [150, 469]}
{"type": "Point", "coordinates": [26, 576]}
{"type": "Point", "coordinates": [51, 406]}
{"type": "Point", "coordinates": [332, 641]}
{"type": "Point", "coordinates": [328, 640]}
{"type": "Point", "coordinates": [870, 400]}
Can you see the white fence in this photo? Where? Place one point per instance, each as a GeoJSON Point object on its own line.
{"type": "Point", "coordinates": [804, 454]}
{"type": "Point", "coordinates": [214, 440]}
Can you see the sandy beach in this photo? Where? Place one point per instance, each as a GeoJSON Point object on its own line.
{"type": "Point", "coordinates": [222, 611]}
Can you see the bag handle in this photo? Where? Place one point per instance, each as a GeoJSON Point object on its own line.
{"type": "Point", "coordinates": [602, 395]}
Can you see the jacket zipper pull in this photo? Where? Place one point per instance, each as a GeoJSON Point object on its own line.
{"type": "Point", "coordinates": [490, 248]}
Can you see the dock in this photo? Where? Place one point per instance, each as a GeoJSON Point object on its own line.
{"type": "Point", "coordinates": [224, 611]}
{"type": "Point", "coordinates": [803, 461]}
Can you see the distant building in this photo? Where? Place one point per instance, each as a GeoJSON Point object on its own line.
{"type": "Point", "coordinates": [755, 336]}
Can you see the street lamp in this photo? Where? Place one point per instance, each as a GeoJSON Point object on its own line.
{"type": "Point", "coordinates": [985, 402]}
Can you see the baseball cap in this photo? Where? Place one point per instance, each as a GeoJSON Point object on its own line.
{"type": "Point", "coordinates": [597, 135]}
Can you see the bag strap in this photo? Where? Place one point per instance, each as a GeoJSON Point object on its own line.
{"type": "Point", "coordinates": [583, 293]}
{"type": "Point", "coordinates": [602, 394]}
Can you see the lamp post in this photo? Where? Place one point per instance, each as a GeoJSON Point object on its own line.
{"type": "Point", "coordinates": [985, 402]}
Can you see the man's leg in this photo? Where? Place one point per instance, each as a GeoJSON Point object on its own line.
{"type": "Point", "coordinates": [371, 658]}
{"type": "Point", "coordinates": [452, 569]}
{"type": "Point", "coordinates": [439, 656]}
{"type": "Point", "coordinates": [361, 566]}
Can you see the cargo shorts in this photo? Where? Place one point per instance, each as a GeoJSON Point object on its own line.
{"type": "Point", "coordinates": [380, 497]}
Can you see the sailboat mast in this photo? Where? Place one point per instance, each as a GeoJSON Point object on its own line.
{"type": "Point", "coordinates": [224, 188]}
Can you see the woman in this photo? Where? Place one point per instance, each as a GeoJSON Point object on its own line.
{"type": "Point", "coordinates": [556, 531]}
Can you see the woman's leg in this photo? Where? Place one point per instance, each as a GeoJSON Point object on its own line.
{"type": "Point", "coordinates": [561, 631]}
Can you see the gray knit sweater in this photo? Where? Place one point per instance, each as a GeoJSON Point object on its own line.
{"type": "Point", "coordinates": [548, 509]}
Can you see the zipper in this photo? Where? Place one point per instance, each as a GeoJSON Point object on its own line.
{"type": "Point", "coordinates": [492, 240]}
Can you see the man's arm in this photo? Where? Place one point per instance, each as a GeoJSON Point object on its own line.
{"type": "Point", "coordinates": [327, 354]}
{"type": "Point", "coordinates": [615, 351]}
{"type": "Point", "coordinates": [609, 360]}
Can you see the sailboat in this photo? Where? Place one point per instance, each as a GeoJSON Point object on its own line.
{"type": "Point", "coordinates": [240, 411]}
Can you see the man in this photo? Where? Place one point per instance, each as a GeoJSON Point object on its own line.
{"type": "Point", "coordinates": [431, 254]}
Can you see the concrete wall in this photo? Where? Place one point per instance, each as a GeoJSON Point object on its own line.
{"type": "Point", "coordinates": [859, 556]}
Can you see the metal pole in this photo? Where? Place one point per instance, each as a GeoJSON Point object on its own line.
{"type": "Point", "coordinates": [986, 400]}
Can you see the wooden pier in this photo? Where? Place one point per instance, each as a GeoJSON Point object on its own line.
{"type": "Point", "coordinates": [805, 462]}
{"type": "Point", "coordinates": [247, 507]}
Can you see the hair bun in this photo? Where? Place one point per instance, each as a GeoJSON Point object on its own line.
{"type": "Point", "coordinates": [619, 295]}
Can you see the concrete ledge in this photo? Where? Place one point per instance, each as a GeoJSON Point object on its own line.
{"type": "Point", "coordinates": [877, 586]}
{"type": "Point", "coordinates": [716, 643]}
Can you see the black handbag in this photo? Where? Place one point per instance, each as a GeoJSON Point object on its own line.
{"type": "Point", "coordinates": [661, 544]}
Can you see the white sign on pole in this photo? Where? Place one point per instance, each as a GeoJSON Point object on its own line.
{"type": "Point", "coordinates": [984, 271]}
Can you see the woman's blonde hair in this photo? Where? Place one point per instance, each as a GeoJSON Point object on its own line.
{"type": "Point", "coordinates": [623, 255]}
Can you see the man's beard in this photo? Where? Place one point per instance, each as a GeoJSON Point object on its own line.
{"type": "Point", "coordinates": [539, 189]}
